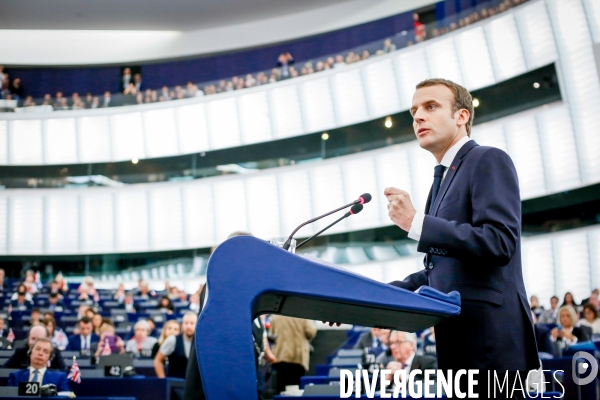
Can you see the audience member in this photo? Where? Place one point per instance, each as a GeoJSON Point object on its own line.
{"type": "Point", "coordinates": [534, 303]}
{"type": "Point", "coordinates": [371, 342]}
{"type": "Point", "coordinates": [128, 303]}
{"type": "Point", "coordinates": [3, 283]}
{"type": "Point", "coordinates": [108, 337]}
{"type": "Point", "coordinates": [165, 305]}
{"type": "Point", "coordinates": [54, 303]}
{"type": "Point", "coordinates": [142, 343]}
{"type": "Point", "coordinates": [550, 316]}
{"type": "Point", "coordinates": [37, 370]}
{"type": "Point", "coordinates": [35, 317]}
{"type": "Point", "coordinates": [107, 100]}
{"type": "Point", "coordinates": [86, 341]}
{"type": "Point", "coordinates": [56, 335]}
{"type": "Point", "coordinates": [590, 318]}
{"type": "Point", "coordinates": [19, 301]}
{"type": "Point", "coordinates": [388, 46]}
{"type": "Point", "coordinates": [125, 79]}
{"type": "Point", "coordinates": [177, 349]}
{"type": "Point", "coordinates": [87, 287]}
{"type": "Point", "coordinates": [82, 311]}
{"type": "Point", "coordinates": [568, 333]}
{"type": "Point", "coordinates": [404, 346]}
{"type": "Point", "coordinates": [62, 284]}
{"type": "Point", "coordinates": [119, 293]}
{"type": "Point", "coordinates": [595, 294]}
{"type": "Point", "coordinates": [16, 89]}
{"type": "Point", "coordinates": [568, 300]}
{"type": "Point", "coordinates": [145, 292]}
{"type": "Point", "coordinates": [170, 328]}
{"type": "Point", "coordinates": [291, 349]}
{"type": "Point", "coordinates": [20, 358]}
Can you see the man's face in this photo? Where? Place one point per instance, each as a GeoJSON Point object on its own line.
{"type": "Point", "coordinates": [85, 328]}
{"type": "Point", "coordinates": [35, 316]}
{"type": "Point", "coordinates": [1, 324]}
{"type": "Point", "coordinates": [126, 71]}
{"type": "Point", "coordinates": [189, 325]}
{"type": "Point", "coordinates": [401, 349]}
{"type": "Point", "coordinates": [553, 303]}
{"type": "Point", "coordinates": [40, 355]}
{"type": "Point", "coordinates": [141, 333]}
{"type": "Point", "coordinates": [433, 121]}
{"type": "Point", "coordinates": [35, 333]}
{"type": "Point", "coordinates": [53, 300]}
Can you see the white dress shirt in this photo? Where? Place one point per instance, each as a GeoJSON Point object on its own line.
{"type": "Point", "coordinates": [86, 342]}
{"type": "Point", "coordinates": [417, 224]}
{"type": "Point", "coordinates": [41, 373]}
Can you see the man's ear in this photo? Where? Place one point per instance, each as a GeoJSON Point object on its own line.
{"type": "Point", "coordinates": [462, 116]}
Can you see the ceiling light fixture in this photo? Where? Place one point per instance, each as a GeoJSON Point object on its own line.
{"type": "Point", "coordinates": [388, 122]}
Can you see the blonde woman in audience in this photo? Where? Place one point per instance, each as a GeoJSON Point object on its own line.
{"type": "Point", "coordinates": [108, 337]}
{"type": "Point", "coordinates": [97, 323]}
{"type": "Point", "coordinates": [169, 329]}
{"type": "Point", "coordinates": [568, 333]}
{"type": "Point", "coordinates": [590, 318]}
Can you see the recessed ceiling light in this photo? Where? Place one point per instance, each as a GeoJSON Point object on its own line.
{"type": "Point", "coordinates": [536, 85]}
{"type": "Point", "coordinates": [388, 122]}
{"type": "Point", "coordinates": [135, 161]}
{"type": "Point", "coordinates": [325, 136]}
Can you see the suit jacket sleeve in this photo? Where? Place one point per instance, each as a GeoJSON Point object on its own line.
{"type": "Point", "coordinates": [413, 281]}
{"type": "Point", "coordinates": [492, 236]}
{"type": "Point", "coordinates": [62, 385]}
{"type": "Point", "coordinates": [12, 379]}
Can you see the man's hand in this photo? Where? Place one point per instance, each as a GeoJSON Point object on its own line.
{"type": "Point", "coordinates": [400, 207]}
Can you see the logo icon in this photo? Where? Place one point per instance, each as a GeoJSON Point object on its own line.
{"type": "Point", "coordinates": [581, 368]}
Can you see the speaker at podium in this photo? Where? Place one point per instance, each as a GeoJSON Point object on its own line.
{"type": "Point", "coordinates": [247, 277]}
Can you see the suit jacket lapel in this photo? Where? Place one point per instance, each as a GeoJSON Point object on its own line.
{"type": "Point", "coordinates": [452, 170]}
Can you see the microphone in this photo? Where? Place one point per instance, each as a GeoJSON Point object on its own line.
{"type": "Point", "coordinates": [353, 211]}
{"type": "Point", "coordinates": [362, 199]}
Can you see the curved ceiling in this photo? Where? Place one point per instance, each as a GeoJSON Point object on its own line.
{"type": "Point", "coordinates": [35, 33]}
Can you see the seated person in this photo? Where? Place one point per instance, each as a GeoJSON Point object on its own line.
{"type": "Point", "coordinates": [97, 321]}
{"type": "Point", "coordinates": [54, 288]}
{"type": "Point", "coordinates": [371, 340]}
{"type": "Point", "coordinates": [87, 287]}
{"type": "Point", "coordinates": [141, 344]}
{"type": "Point", "coordinates": [590, 318]}
{"type": "Point", "coordinates": [119, 293]}
{"type": "Point", "coordinates": [57, 336]}
{"type": "Point", "coordinates": [128, 303]}
{"type": "Point", "coordinates": [195, 302]}
{"type": "Point", "coordinates": [20, 300]}
{"type": "Point", "coordinates": [36, 317]}
{"type": "Point", "coordinates": [567, 333]}
{"type": "Point", "coordinates": [108, 337]}
{"type": "Point", "coordinates": [145, 292]}
{"type": "Point", "coordinates": [85, 298]}
{"type": "Point", "coordinates": [165, 305]}
{"type": "Point", "coordinates": [3, 330]}
{"type": "Point", "coordinates": [41, 352]}
{"type": "Point", "coordinates": [177, 349]}
{"type": "Point", "coordinates": [55, 303]}
{"type": "Point", "coordinates": [550, 316]}
{"type": "Point", "coordinates": [169, 329]}
{"type": "Point", "coordinates": [86, 341]}
{"type": "Point", "coordinates": [20, 358]}
{"type": "Point", "coordinates": [404, 346]}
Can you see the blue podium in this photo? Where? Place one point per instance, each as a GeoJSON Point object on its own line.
{"type": "Point", "coordinates": [247, 277]}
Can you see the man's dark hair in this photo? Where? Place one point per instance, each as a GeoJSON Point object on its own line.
{"type": "Point", "coordinates": [85, 320]}
{"type": "Point", "coordinates": [36, 310]}
{"type": "Point", "coordinates": [462, 98]}
{"type": "Point", "coordinates": [554, 297]}
{"type": "Point", "coordinates": [53, 295]}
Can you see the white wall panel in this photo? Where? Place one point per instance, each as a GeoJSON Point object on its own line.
{"type": "Point", "coordinates": [263, 204]}
{"type": "Point", "coordinates": [295, 201]}
{"type": "Point", "coordinates": [573, 264]}
{"type": "Point", "coordinates": [230, 208]}
{"type": "Point", "coordinates": [223, 123]}
{"type": "Point", "coordinates": [360, 176]}
{"type": "Point", "coordinates": [524, 148]}
{"type": "Point", "coordinates": [62, 224]}
{"type": "Point", "coordinates": [127, 136]}
{"type": "Point", "coordinates": [61, 141]}
{"type": "Point", "coordinates": [558, 146]}
{"type": "Point", "coordinates": [474, 56]}
{"type": "Point", "coordinates": [412, 67]}
{"type": "Point", "coordinates": [538, 268]}
{"type": "Point", "coordinates": [131, 220]}
{"type": "Point", "coordinates": [26, 225]}
{"type": "Point", "coordinates": [3, 225]}
{"type": "Point", "coordinates": [26, 142]}
{"type": "Point", "coordinates": [505, 47]}
{"type": "Point", "coordinates": [161, 132]}
{"type": "Point", "coordinates": [443, 60]}
{"type": "Point", "coordinates": [536, 35]}
{"type": "Point", "coordinates": [199, 216]}
{"type": "Point", "coordinates": [371, 271]}
{"type": "Point", "coordinates": [317, 105]}
{"type": "Point", "coordinates": [381, 88]}
{"type": "Point", "coordinates": [592, 12]}
{"type": "Point", "coordinates": [3, 142]}
{"type": "Point", "coordinates": [255, 121]}
{"type": "Point", "coordinates": [97, 222]}
{"type": "Point", "coordinates": [594, 248]}
{"type": "Point", "coordinates": [349, 94]}
{"type": "Point", "coordinates": [327, 184]}
{"type": "Point", "coordinates": [399, 269]}
{"type": "Point", "coordinates": [490, 134]}
{"type": "Point", "coordinates": [166, 224]}
{"type": "Point", "coordinates": [286, 113]}
{"type": "Point", "coordinates": [94, 139]}
{"type": "Point", "coordinates": [192, 125]}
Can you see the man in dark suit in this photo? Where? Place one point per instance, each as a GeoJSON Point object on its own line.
{"type": "Point", "coordinates": [371, 340]}
{"type": "Point", "coordinates": [20, 358]}
{"type": "Point", "coordinates": [471, 234]}
{"type": "Point", "coordinates": [41, 352]}
{"type": "Point", "coordinates": [87, 341]}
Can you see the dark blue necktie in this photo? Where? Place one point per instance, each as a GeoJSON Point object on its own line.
{"type": "Point", "coordinates": [438, 174]}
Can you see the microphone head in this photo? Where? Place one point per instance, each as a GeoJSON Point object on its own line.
{"type": "Point", "coordinates": [365, 198]}
{"type": "Point", "coordinates": [356, 209]}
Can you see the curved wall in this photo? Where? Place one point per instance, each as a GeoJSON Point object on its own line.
{"type": "Point", "coordinates": [269, 203]}
{"type": "Point", "coordinates": [520, 40]}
